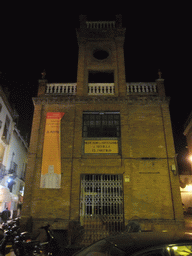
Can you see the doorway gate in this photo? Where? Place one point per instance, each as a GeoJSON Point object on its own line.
{"type": "Point", "coordinates": [101, 205]}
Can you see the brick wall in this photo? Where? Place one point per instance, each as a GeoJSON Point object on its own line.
{"type": "Point", "coordinates": [150, 188]}
{"type": "Point", "coordinates": [151, 191]}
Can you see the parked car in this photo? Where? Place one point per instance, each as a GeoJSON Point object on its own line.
{"type": "Point", "coordinates": [141, 244]}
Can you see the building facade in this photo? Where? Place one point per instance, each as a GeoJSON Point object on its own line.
{"type": "Point", "coordinates": [13, 157]}
{"type": "Point", "coordinates": [102, 150]}
{"type": "Point", "coordinates": [186, 178]}
{"type": "Point", "coordinates": [188, 133]}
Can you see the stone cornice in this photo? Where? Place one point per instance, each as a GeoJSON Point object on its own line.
{"type": "Point", "coordinates": [141, 100]}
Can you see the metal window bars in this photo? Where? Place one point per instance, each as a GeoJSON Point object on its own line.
{"type": "Point", "coordinates": [101, 205]}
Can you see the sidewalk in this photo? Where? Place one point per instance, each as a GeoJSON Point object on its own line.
{"type": "Point", "coordinates": [11, 254]}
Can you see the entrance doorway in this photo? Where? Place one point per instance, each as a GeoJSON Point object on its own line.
{"type": "Point", "coordinates": [101, 205]}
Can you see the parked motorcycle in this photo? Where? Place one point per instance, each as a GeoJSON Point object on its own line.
{"type": "Point", "coordinates": [8, 231]}
{"type": "Point", "coordinates": [23, 245]}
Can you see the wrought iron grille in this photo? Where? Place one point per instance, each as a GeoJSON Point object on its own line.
{"type": "Point", "coordinates": [101, 205]}
{"type": "Point", "coordinates": [101, 124]}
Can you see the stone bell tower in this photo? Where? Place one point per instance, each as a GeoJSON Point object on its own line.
{"type": "Point", "coordinates": [101, 56]}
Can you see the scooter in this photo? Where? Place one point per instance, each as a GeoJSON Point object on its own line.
{"type": "Point", "coordinates": [8, 231]}
{"type": "Point", "coordinates": [23, 245]}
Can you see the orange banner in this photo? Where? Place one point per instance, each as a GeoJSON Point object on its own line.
{"type": "Point", "coordinates": [51, 162]}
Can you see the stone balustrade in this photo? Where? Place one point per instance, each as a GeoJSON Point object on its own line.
{"type": "Point", "coordinates": [102, 88]}
{"type": "Point", "coordinates": [100, 24]}
{"type": "Point", "coordinates": [141, 88]}
{"type": "Point", "coordinates": [61, 88]}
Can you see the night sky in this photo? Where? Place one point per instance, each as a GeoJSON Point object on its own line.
{"type": "Point", "coordinates": [43, 36]}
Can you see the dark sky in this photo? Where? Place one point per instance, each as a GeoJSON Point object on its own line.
{"type": "Point", "coordinates": [43, 36]}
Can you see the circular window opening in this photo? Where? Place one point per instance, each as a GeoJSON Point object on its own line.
{"type": "Point", "coordinates": [100, 54]}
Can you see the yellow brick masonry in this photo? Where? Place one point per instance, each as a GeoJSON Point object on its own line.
{"type": "Point", "coordinates": [151, 191]}
{"type": "Point", "coordinates": [150, 188]}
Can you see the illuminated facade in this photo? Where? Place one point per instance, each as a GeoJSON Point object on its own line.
{"type": "Point", "coordinates": [186, 192]}
{"type": "Point", "coordinates": [186, 179]}
{"type": "Point", "coordinates": [117, 154]}
{"type": "Point", "coordinates": [188, 134]}
{"type": "Point", "coordinates": [13, 157]}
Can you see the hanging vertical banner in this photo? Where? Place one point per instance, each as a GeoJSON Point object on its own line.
{"type": "Point", "coordinates": [51, 162]}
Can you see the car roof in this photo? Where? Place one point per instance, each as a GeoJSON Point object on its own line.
{"type": "Point", "coordinates": [137, 241]}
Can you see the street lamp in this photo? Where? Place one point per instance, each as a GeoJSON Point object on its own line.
{"type": "Point", "coordinates": [11, 182]}
{"type": "Point", "coordinates": [190, 158]}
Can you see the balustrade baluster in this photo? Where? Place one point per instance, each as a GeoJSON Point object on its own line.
{"type": "Point", "coordinates": [100, 24]}
{"type": "Point", "coordinates": [60, 88]}
{"type": "Point", "coordinates": [141, 88]}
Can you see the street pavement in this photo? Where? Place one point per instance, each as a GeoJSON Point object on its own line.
{"type": "Point", "coordinates": [188, 227]}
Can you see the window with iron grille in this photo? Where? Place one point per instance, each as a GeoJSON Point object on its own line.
{"type": "Point", "coordinates": [101, 194]}
{"type": "Point", "coordinates": [101, 124]}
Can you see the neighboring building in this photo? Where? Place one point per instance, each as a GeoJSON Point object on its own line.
{"type": "Point", "coordinates": [13, 157]}
{"type": "Point", "coordinates": [186, 192]}
{"type": "Point", "coordinates": [188, 134]}
{"type": "Point", "coordinates": [102, 150]}
{"type": "Point", "coordinates": [186, 179]}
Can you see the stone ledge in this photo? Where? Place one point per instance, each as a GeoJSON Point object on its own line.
{"type": "Point", "coordinates": [141, 100]}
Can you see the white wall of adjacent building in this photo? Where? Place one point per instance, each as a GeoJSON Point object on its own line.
{"type": "Point", "coordinates": [13, 158]}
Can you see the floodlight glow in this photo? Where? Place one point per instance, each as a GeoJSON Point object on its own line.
{"type": "Point", "coordinates": [9, 180]}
